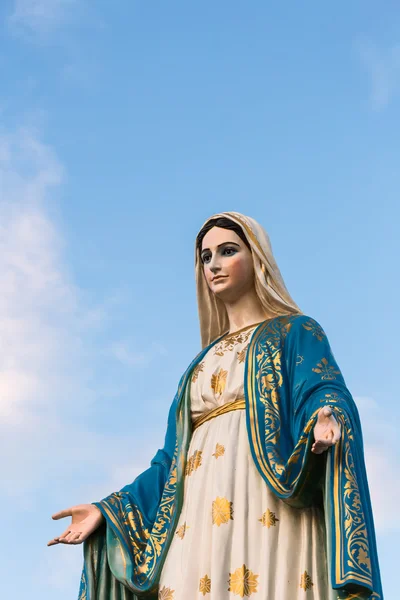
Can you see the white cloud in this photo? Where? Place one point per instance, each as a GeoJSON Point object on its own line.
{"type": "Point", "coordinates": [54, 454]}
{"type": "Point", "coordinates": [50, 359]}
{"type": "Point", "coordinates": [382, 459]}
{"type": "Point", "coordinates": [383, 67]}
{"type": "Point", "coordinates": [43, 368]}
{"type": "Point", "coordinates": [41, 311]}
{"type": "Point", "coordinates": [41, 16]}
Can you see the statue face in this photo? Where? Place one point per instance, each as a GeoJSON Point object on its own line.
{"type": "Point", "coordinates": [227, 263]}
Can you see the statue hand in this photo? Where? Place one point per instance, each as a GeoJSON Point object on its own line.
{"type": "Point", "coordinates": [326, 431]}
{"type": "Point", "coordinates": [86, 518]}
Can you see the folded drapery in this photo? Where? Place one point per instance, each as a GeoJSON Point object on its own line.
{"type": "Point", "coordinates": [290, 374]}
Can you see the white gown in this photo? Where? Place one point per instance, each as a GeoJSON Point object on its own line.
{"type": "Point", "coordinates": [234, 537]}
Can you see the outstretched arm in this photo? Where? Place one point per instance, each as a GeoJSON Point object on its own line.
{"type": "Point", "coordinates": [144, 493]}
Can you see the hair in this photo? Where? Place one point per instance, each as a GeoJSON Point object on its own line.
{"type": "Point", "coordinates": [224, 223]}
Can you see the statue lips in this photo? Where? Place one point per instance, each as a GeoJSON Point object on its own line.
{"type": "Point", "coordinates": [219, 277]}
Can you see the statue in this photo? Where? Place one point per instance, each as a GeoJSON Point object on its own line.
{"type": "Point", "coordinates": [260, 489]}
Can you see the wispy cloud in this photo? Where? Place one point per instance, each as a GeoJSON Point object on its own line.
{"type": "Point", "coordinates": [50, 359]}
{"type": "Point", "coordinates": [383, 68]}
{"type": "Point", "coordinates": [50, 371]}
{"type": "Point", "coordinates": [41, 16]}
{"type": "Point", "coordinates": [44, 370]}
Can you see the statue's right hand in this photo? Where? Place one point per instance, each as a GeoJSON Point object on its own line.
{"type": "Point", "coordinates": [86, 518]}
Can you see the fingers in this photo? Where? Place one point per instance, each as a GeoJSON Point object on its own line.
{"type": "Point", "coordinates": [63, 538]}
{"type": "Point", "coordinates": [70, 537]}
{"type": "Point", "coordinates": [330, 439]}
{"type": "Point", "coordinates": [53, 542]}
{"type": "Point", "coordinates": [320, 446]}
{"type": "Point", "coordinates": [62, 513]}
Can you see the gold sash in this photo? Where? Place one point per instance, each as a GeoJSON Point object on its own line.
{"type": "Point", "coordinates": [238, 404]}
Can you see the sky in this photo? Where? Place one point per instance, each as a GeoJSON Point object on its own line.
{"type": "Point", "coordinates": [123, 127]}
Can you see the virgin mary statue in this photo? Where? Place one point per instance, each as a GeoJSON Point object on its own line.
{"type": "Point", "coordinates": [260, 489]}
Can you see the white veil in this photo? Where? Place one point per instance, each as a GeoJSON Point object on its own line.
{"type": "Point", "coordinates": [269, 284]}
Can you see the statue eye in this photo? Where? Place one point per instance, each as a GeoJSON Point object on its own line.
{"type": "Point", "coordinates": [206, 258]}
{"type": "Point", "coordinates": [229, 251]}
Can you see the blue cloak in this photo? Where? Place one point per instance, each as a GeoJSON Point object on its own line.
{"type": "Point", "coordinates": [290, 374]}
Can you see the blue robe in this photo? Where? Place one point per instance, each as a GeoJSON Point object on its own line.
{"type": "Point", "coordinates": [290, 374]}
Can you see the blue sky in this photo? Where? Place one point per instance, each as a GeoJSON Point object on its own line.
{"type": "Point", "coordinates": [122, 128]}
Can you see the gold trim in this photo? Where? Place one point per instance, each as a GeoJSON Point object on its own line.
{"type": "Point", "coordinates": [239, 404]}
{"type": "Point", "coordinates": [230, 333]}
{"type": "Point", "coordinates": [262, 461]}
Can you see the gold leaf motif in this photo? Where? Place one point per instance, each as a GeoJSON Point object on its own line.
{"type": "Point", "coordinates": [269, 381]}
{"type": "Point", "coordinates": [172, 477]}
{"type": "Point", "coordinates": [222, 511]}
{"type": "Point", "coordinates": [194, 462]}
{"type": "Point", "coordinates": [198, 368]}
{"type": "Point", "coordinates": [243, 582]}
{"type": "Point", "coordinates": [230, 341]}
{"type": "Point", "coordinates": [305, 581]}
{"type": "Point", "coordinates": [144, 567]}
{"type": "Point", "coordinates": [268, 519]}
{"type": "Point", "coordinates": [363, 558]}
{"type": "Point", "coordinates": [180, 532]}
{"type": "Point", "coordinates": [328, 371]}
{"type": "Point", "coordinates": [148, 546]}
{"type": "Point", "coordinates": [242, 354]}
{"type": "Point", "coordinates": [218, 381]}
{"type": "Point", "coordinates": [332, 398]}
{"type": "Point", "coordinates": [316, 329]}
{"type": "Point", "coordinates": [219, 451]}
{"type": "Point", "coordinates": [166, 594]}
{"type": "Point", "coordinates": [205, 585]}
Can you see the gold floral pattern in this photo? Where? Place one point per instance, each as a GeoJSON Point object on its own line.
{"type": "Point", "coordinates": [198, 368]}
{"type": "Point", "coordinates": [219, 451]}
{"type": "Point", "coordinates": [332, 398]}
{"type": "Point", "coordinates": [230, 341]}
{"type": "Point", "coordinates": [243, 582]}
{"type": "Point", "coordinates": [328, 371]}
{"type": "Point", "coordinates": [222, 511]}
{"type": "Point", "coordinates": [205, 585]}
{"type": "Point", "coordinates": [357, 537]}
{"type": "Point", "coordinates": [148, 546]}
{"type": "Point", "coordinates": [270, 381]}
{"type": "Point", "coordinates": [305, 581]}
{"type": "Point", "coordinates": [218, 382]}
{"type": "Point", "coordinates": [315, 328]}
{"type": "Point", "coordinates": [268, 519]}
{"type": "Point", "coordinates": [242, 354]}
{"type": "Point", "coordinates": [166, 594]}
{"type": "Point", "coordinates": [194, 462]}
{"type": "Point", "coordinates": [180, 532]}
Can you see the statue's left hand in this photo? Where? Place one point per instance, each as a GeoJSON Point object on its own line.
{"type": "Point", "coordinates": [326, 431]}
